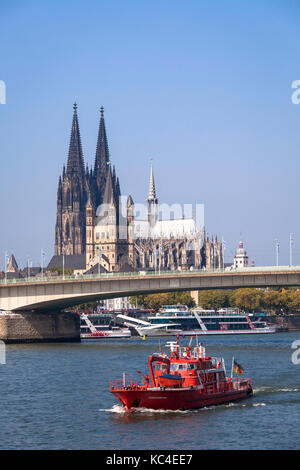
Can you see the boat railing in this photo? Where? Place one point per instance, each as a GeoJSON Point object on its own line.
{"type": "Point", "coordinates": [233, 384]}
{"type": "Point", "coordinates": [240, 384]}
{"type": "Point", "coordinates": [125, 384]}
{"type": "Point", "coordinates": [237, 384]}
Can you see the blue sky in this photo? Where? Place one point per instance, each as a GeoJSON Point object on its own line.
{"type": "Point", "coordinates": [201, 87]}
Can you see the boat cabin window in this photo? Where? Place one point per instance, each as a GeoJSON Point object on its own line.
{"type": "Point", "coordinates": [191, 366]}
{"type": "Point", "coordinates": [162, 367]}
{"type": "Point", "coordinates": [178, 366]}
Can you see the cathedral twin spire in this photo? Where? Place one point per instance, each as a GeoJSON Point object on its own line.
{"type": "Point", "coordinates": [80, 187]}
{"type": "Point", "coordinates": [102, 160]}
{"type": "Point", "coordinates": [75, 158]}
{"type": "Point", "coordinates": [96, 178]}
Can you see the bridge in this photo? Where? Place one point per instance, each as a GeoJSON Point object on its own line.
{"type": "Point", "coordinates": [56, 293]}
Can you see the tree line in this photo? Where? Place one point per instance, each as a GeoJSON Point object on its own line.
{"type": "Point", "coordinates": [248, 299]}
{"type": "Point", "coordinates": [155, 301]}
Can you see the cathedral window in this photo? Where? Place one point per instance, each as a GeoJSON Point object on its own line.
{"type": "Point", "coordinates": [68, 198]}
{"type": "Point", "coordinates": [67, 229]}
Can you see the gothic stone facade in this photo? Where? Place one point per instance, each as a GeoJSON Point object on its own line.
{"type": "Point", "coordinates": [90, 217]}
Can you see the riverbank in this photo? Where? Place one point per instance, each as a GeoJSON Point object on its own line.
{"type": "Point", "coordinates": [286, 322]}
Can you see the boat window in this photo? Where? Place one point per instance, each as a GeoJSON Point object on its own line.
{"type": "Point", "coordinates": [191, 366]}
{"type": "Point", "coordinates": [174, 366]}
{"type": "Point", "coordinates": [182, 366]}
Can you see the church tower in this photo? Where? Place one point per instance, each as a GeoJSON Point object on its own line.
{"type": "Point", "coordinates": [101, 162]}
{"type": "Point", "coordinates": [106, 228]}
{"type": "Point", "coordinates": [71, 199]}
{"type": "Point", "coordinates": [89, 232]}
{"type": "Point", "coordinates": [152, 201]}
{"type": "Point", "coordinates": [130, 230]}
{"type": "Point", "coordinates": [81, 225]}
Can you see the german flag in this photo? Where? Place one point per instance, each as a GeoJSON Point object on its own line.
{"type": "Point", "coordinates": [237, 368]}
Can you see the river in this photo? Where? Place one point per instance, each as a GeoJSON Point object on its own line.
{"type": "Point", "coordinates": [56, 396]}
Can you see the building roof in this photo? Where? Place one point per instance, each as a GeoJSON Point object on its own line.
{"type": "Point", "coordinates": [70, 262]}
{"type": "Point", "coordinates": [177, 228]}
{"type": "Point", "coordinates": [12, 266]}
{"type": "Point", "coordinates": [95, 269]}
{"type": "Point", "coordinates": [11, 275]}
{"type": "Point", "coordinates": [241, 250]}
{"type": "Point", "coordinates": [33, 271]}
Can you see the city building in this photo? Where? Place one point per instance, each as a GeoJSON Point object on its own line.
{"type": "Point", "coordinates": [95, 223]}
{"type": "Point", "coordinates": [241, 258]}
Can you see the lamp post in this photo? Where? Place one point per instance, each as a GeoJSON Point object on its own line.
{"type": "Point", "coordinates": [291, 249]}
{"type": "Point", "coordinates": [28, 267]}
{"type": "Point", "coordinates": [277, 252]}
{"type": "Point", "coordinates": [5, 266]}
{"type": "Point", "coordinates": [159, 260]}
{"type": "Point", "coordinates": [42, 261]}
{"type": "Point", "coordinates": [99, 263]}
{"type": "Point", "coordinates": [223, 251]}
{"type": "Point", "coordinates": [215, 255]}
{"type": "Point", "coordinates": [63, 260]}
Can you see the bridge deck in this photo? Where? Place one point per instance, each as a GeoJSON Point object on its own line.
{"type": "Point", "coordinates": [46, 293]}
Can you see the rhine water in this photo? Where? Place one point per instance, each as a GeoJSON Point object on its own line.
{"type": "Point", "coordinates": [56, 396]}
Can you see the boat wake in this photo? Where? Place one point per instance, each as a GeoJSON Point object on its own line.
{"type": "Point", "coordinates": [119, 409]}
{"type": "Point", "coordinates": [269, 390]}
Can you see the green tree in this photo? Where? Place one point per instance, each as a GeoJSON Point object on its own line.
{"type": "Point", "coordinates": [181, 298]}
{"type": "Point", "coordinates": [249, 299]}
{"type": "Point", "coordinates": [215, 299]}
{"type": "Point", "coordinates": [293, 303]}
{"type": "Point", "coordinates": [271, 300]}
{"type": "Point", "coordinates": [86, 307]}
{"type": "Point", "coordinates": [59, 270]}
{"type": "Point", "coordinates": [155, 301]}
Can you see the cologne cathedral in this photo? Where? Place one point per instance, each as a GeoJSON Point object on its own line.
{"type": "Point", "coordinates": [93, 225]}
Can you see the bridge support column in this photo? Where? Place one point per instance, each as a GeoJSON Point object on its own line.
{"type": "Point", "coordinates": [23, 327]}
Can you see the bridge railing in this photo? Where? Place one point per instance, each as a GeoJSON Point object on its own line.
{"type": "Point", "coordinates": [104, 276]}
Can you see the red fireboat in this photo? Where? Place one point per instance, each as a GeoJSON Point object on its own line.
{"type": "Point", "coordinates": [187, 379]}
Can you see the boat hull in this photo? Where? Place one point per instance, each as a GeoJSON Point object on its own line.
{"type": "Point", "coordinates": [268, 330]}
{"type": "Point", "coordinates": [177, 399]}
{"type": "Point", "coordinates": [105, 334]}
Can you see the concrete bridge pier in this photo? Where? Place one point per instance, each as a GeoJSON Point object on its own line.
{"type": "Point", "coordinates": [38, 327]}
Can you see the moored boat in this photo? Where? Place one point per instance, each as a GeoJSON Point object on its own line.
{"type": "Point", "coordinates": [90, 331]}
{"type": "Point", "coordinates": [184, 380]}
{"type": "Point", "coordinates": [172, 319]}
